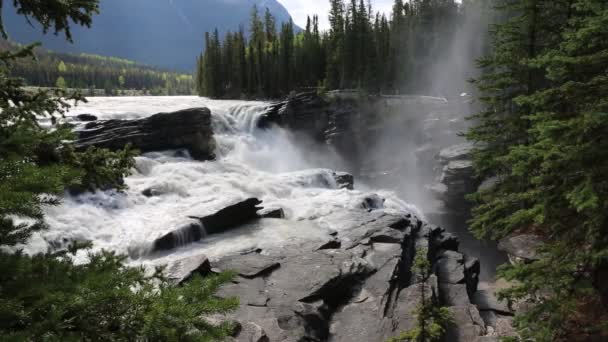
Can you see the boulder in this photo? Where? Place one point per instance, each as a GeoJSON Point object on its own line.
{"type": "Point", "coordinates": [457, 176]}
{"type": "Point", "coordinates": [522, 247]}
{"type": "Point", "coordinates": [86, 117]}
{"type": "Point", "coordinates": [344, 180]}
{"type": "Point", "coordinates": [179, 237]}
{"type": "Point", "coordinates": [181, 270]}
{"type": "Point", "coordinates": [185, 129]}
{"type": "Point", "coordinates": [151, 192]}
{"type": "Point", "coordinates": [455, 152]}
{"type": "Point", "coordinates": [230, 217]}
{"type": "Point", "coordinates": [278, 213]}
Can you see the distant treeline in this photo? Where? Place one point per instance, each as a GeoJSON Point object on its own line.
{"type": "Point", "coordinates": [88, 72]}
{"type": "Point", "coordinates": [361, 50]}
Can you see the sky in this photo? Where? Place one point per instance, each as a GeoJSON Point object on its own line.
{"type": "Point", "coordinates": [299, 9]}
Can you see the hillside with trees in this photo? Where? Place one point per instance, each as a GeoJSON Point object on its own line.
{"type": "Point", "coordinates": [89, 72]}
{"type": "Point", "coordinates": [162, 33]}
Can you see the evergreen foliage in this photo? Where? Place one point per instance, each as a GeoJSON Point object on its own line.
{"type": "Point", "coordinates": [542, 138]}
{"type": "Point", "coordinates": [431, 319]}
{"type": "Point", "coordinates": [47, 297]}
{"type": "Point", "coordinates": [361, 50]}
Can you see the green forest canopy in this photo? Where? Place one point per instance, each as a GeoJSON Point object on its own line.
{"type": "Point", "coordinates": [362, 50]}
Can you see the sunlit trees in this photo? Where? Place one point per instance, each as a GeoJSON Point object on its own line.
{"type": "Point", "coordinates": [47, 297]}
{"type": "Point", "coordinates": [361, 50]}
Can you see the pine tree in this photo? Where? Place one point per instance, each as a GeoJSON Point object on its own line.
{"type": "Point", "coordinates": [47, 297]}
{"type": "Point", "coordinates": [542, 138]}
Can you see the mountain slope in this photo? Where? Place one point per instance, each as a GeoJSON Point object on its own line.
{"type": "Point", "coordinates": [166, 33]}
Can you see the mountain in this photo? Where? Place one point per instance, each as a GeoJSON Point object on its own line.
{"type": "Point", "coordinates": [165, 33]}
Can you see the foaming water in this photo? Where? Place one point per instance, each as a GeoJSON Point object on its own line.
{"type": "Point", "coordinates": [270, 165]}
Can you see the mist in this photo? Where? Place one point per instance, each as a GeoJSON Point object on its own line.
{"type": "Point", "coordinates": [414, 129]}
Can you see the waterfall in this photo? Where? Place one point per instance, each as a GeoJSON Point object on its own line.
{"type": "Point", "coordinates": [271, 165]}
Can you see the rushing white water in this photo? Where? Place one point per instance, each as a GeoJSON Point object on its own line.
{"type": "Point", "coordinates": [269, 165]}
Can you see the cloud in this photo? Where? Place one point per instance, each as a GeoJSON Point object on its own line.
{"type": "Point", "coordinates": [300, 9]}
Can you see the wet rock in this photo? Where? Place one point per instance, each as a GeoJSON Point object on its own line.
{"type": "Point", "coordinates": [457, 177]}
{"type": "Point", "coordinates": [182, 236]}
{"type": "Point", "coordinates": [151, 192]}
{"type": "Point", "coordinates": [344, 180]}
{"type": "Point", "coordinates": [230, 217]}
{"type": "Point", "coordinates": [372, 202]}
{"type": "Point", "coordinates": [447, 241]}
{"type": "Point", "coordinates": [186, 129]}
{"type": "Point", "coordinates": [472, 268]}
{"type": "Point", "coordinates": [272, 213]}
{"type": "Point", "coordinates": [86, 117]}
{"type": "Point", "coordinates": [456, 152]}
{"type": "Point", "coordinates": [332, 243]}
{"type": "Point", "coordinates": [522, 247]}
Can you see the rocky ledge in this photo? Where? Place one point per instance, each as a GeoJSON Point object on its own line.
{"type": "Point", "coordinates": [356, 285]}
{"type": "Point", "coordinates": [185, 129]}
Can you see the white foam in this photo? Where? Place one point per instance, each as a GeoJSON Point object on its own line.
{"type": "Point", "coordinates": [268, 165]}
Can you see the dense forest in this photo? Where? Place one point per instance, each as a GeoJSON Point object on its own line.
{"type": "Point", "coordinates": [361, 50]}
{"type": "Point", "coordinates": [88, 72]}
{"type": "Point", "coordinates": [542, 143]}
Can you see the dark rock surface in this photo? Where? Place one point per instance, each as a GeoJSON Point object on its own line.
{"type": "Point", "coordinates": [86, 117]}
{"type": "Point", "coordinates": [272, 213]}
{"type": "Point", "coordinates": [179, 237]}
{"type": "Point", "coordinates": [230, 217]}
{"type": "Point", "coordinates": [456, 177]}
{"type": "Point", "coordinates": [522, 247]}
{"type": "Point", "coordinates": [356, 286]}
{"type": "Point", "coordinates": [186, 129]}
{"type": "Point", "coordinates": [344, 180]}
{"type": "Point", "coordinates": [181, 270]}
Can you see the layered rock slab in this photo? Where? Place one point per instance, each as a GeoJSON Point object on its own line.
{"type": "Point", "coordinates": [185, 129]}
{"type": "Point", "coordinates": [361, 289]}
